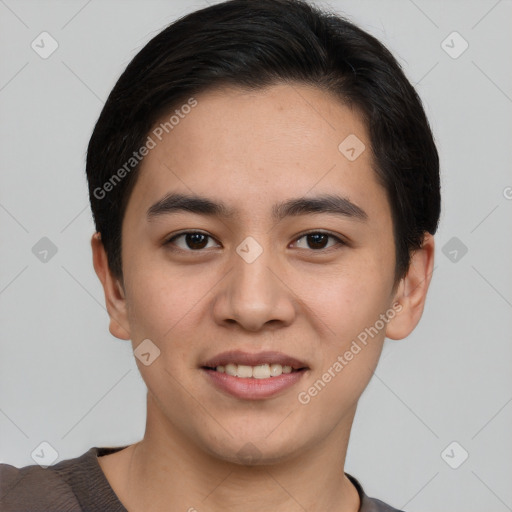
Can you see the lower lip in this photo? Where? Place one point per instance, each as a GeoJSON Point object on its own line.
{"type": "Point", "coordinates": [251, 388]}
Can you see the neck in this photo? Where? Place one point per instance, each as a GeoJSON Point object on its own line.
{"type": "Point", "coordinates": [168, 471]}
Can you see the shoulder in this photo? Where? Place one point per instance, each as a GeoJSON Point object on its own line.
{"type": "Point", "coordinates": [34, 488]}
{"type": "Point", "coordinates": [71, 485]}
{"type": "Point", "coordinates": [369, 504]}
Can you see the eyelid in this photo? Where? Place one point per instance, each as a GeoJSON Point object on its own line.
{"type": "Point", "coordinates": [336, 236]}
{"type": "Point", "coordinates": [172, 237]}
{"type": "Point", "coordinates": [340, 242]}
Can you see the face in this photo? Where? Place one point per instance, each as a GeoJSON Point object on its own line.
{"type": "Point", "coordinates": [298, 286]}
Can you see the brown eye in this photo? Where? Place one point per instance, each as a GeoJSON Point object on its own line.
{"type": "Point", "coordinates": [196, 240]}
{"type": "Point", "coordinates": [318, 240]}
{"type": "Point", "coordinates": [192, 241]}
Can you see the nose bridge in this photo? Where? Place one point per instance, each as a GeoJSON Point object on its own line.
{"type": "Point", "coordinates": [253, 282]}
{"type": "Point", "coordinates": [254, 295]}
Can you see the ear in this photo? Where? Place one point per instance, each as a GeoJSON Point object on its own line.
{"type": "Point", "coordinates": [412, 291]}
{"type": "Point", "coordinates": [114, 294]}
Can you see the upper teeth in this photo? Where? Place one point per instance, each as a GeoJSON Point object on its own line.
{"type": "Point", "coordinates": [262, 371]}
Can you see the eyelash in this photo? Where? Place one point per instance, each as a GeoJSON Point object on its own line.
{"type": "Point", "coordinates": [339, 241]}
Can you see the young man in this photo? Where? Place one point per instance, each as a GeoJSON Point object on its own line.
{"type": "Point", "coordinates": [265, 188]}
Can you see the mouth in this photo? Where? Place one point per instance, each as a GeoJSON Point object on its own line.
{"type": "Point", "coordinates": [262, 365]}
{"type": "Point", "coordinates": [253, 376]}
{"type": "Point", "coordinates": [261, 371]}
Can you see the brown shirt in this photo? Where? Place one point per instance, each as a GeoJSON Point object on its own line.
{"type": "Point", "coordinates": [79, 485]}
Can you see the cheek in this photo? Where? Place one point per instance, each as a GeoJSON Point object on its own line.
{"type": "Point", "coordinates": [159, 302]}
{"type": "Point", "coordinates": [168, 305]}
{"type": "Point", "coordinates": [349, 348]}
{"type": "Point", "coordinates": [350, 306]}
{"type": "Point", "coordinates": [163, 308]}
{"type": "Point", "coordinates": [352, 297]}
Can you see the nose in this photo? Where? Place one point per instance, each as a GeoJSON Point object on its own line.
{"type": "Point", "coordinates": [255, 293]}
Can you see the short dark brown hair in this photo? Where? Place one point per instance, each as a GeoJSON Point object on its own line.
{"type": "Point", "coordinates": [253, 44]}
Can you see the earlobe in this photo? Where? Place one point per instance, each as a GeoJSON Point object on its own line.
{"type": "Point", "coordinates": [114, 294]}
{"type": "Point", "coordinates": [412, 291]}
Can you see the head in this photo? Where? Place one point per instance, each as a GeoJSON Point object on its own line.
{"type": "Point", "coordinates": [273, 110]}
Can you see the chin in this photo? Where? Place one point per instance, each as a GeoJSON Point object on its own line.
{"type": "Point", "coordinates": [253, 450]}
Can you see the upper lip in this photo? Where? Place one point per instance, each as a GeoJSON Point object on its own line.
{"type": "Point", "coordinates": [253, 359]}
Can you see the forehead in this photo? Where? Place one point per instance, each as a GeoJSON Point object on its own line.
{"type": "Point", "coordinates": [250, 149]}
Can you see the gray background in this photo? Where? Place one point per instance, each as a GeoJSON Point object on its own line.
{"type": "Point", "coordinates": [65, 380]}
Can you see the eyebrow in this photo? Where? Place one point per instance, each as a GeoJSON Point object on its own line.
{"type": "Point", "coordinates": [327, 203]}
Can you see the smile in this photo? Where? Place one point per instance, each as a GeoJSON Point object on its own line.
{"type": "Point", "coordinates": [262, 371]}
